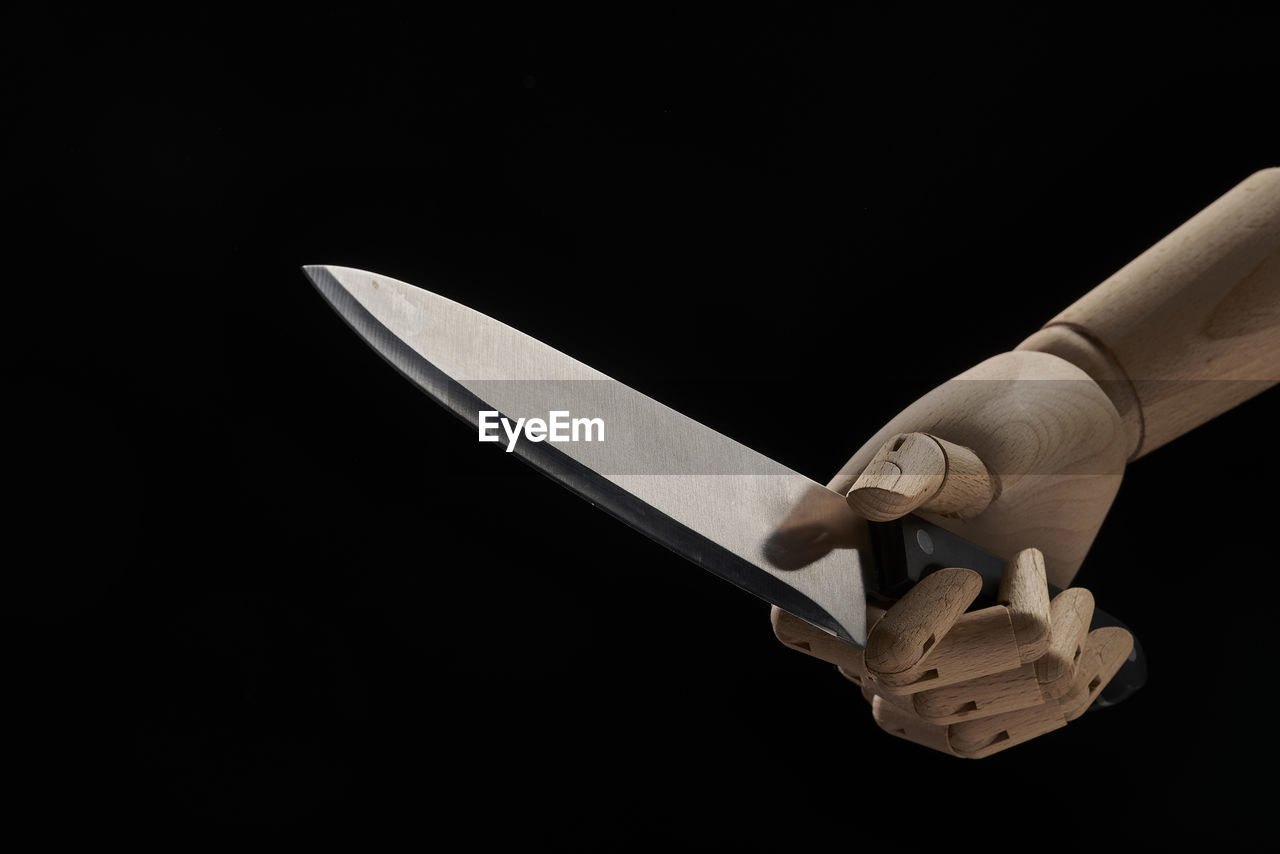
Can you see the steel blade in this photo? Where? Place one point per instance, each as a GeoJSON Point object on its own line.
{"type": "Point", "coordinates": [723, 506]}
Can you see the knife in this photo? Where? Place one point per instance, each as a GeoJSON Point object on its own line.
{"type": "Point", "coordinates": [723, 506]}
{"type": "Point", "coordinates": [718, 503]}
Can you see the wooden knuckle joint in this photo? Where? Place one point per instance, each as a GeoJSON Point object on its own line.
{"type": "Point", "coordinates": [801, 636]}
{"type": "Point", "coordinates": [1105, 652]}
{"type": "Point", "coordinates": [979, 644]}
{"type": "Point", "coordinates": [921, 471]}
{"type": "Point", "coordinates": [1024, 590]}
{"type": "Point", "coordinates": [985, 736]}
{"type": "Point", "coordinates": [988, 695]}
{"type": "Point", "coordinates": [1071, 612]}
{"type": "Point", "coordinates": [917, 623]}
{"type": "Point", "coordinates": [902, 724]}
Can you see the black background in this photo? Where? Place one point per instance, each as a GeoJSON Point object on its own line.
{"type": "Point", "coordinates": [264, 581]}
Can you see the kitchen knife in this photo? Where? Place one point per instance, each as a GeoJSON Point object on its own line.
{"type": "Point", "coordinates": [725, 507]}
{"type": "Point", "coordinates": [742, 516]}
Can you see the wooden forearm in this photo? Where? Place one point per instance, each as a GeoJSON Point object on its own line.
{"type": "Point", "coordinates": [1191, 327]}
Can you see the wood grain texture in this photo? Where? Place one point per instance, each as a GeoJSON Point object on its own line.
{"type": "Point", "coordinates": [1073, 346]}
{"type": "Point", "coordinates": [985, 736]}
{"type": "Point", "coordinates": [903, 724]}
{"type": "Point", "coordinates": [1046, 432]}
{"type": "Point", "coordinates": [994, 694]}
{"type": "Point", "coordinates": [1024, 590]}
{"type": "Point", "coordinates": [918, 471]}
{"type": "Point", "coordinates": [1071, 611]}
{"type": "Point", "coordinates": [1192, 324]}
{"type": "Point", "coordinates": [1105, 650]}
{"type": "Point", "coordinates": [967, 487]}
{"type": "Point", "coordinates": [1184, 332]}
{"type": "Point", "coordinates": [920, 620]}
{"type": "Point", "coordinates": [804, 637]}
{"type": "Point", "coordinates": [979, 717]}
{"type": "Point", "coordinates": [979, 644]}
{"type": "Point", "coordinates": [904, 473]}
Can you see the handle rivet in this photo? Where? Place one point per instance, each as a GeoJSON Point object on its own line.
{"type": "Point", "coordinates": [924, 541]}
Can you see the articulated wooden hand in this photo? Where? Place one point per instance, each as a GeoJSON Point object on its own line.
{"type": "Point", "coordinates": [969, 683]}
{"type": "Point", "coordinates": [1023, 455]}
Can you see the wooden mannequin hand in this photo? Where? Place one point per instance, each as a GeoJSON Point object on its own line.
{"type": "Point", "coordinates": [1022, 455]}
{"type": "Point", "coordinates": [968, 683]}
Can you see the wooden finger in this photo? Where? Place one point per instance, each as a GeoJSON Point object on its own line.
{"type": "Point", "coordinates": [1105, 651]}
{"type": "Point", "coordinates": [995, 694]}
{"type": "Point", "coordinates": [902, 724]}
{"type": "Point", "coordinates": [804, 637]}
{"type": "Point", "coordinates": [985, 736]}
{"type": "Point", "coordinates": [1070, 614]}
{"type": "Point", "coordinates": [984, 716]}
{"type": "Point", "coordinates": [904, 637]}
{"type": "Point", "coordinates": [979, 644]}
{"type": "Point", "coordinates": [1024, 590]}
{"type": "Point", "coordinates": [920, 471]}
{"type": "Point", "coordinates": [906, 471]}
{"type": "Point", "coordinates": [966, 489]}
{"type": "Point", "coordinates": [1050, 436]}
{"type": "Point", "coordinates": [871, 690]}
{"type": "Point", "coordinates": [859, 679]}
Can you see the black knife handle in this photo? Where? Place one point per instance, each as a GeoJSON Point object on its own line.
{"type": "Point", "coordinates": [910, 548]}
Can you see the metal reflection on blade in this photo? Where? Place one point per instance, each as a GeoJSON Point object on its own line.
{"type": "Point", "coordinates": [725, 507]}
